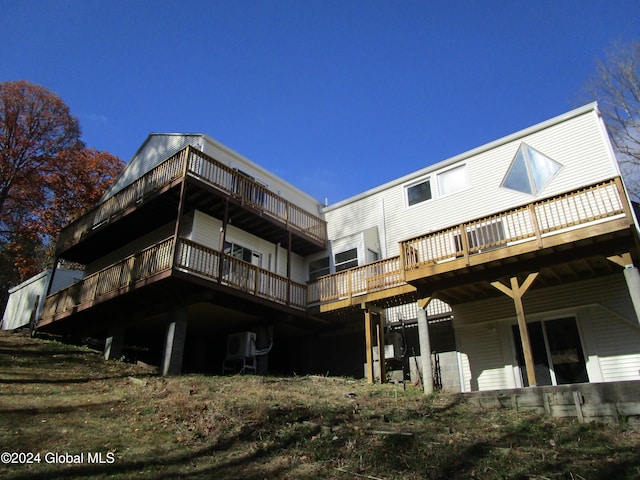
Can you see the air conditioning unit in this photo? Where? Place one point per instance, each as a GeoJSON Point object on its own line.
{"type": "Point", "coordinates": [241, 345]}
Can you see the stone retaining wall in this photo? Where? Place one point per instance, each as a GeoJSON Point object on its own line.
{"type": "Point", "coordinates": [616, 402]}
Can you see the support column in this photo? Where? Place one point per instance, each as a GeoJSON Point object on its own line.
{"type": "Point", "coordinates": [516, 292]}
{"type": "Point", "coordinates": [174, 342]}
{"type": "Point", "coordinates": [223, 237]}
{"type": "Point", "coordinates": [264, 343]}
{"type": "Point", "coordinates": [632, 277]}
{"type": "Point", "coordinates": [368, 337]}
{"type": "Point", "coordinates": [114, 343]}
{"type": "Point", "coordinates": [374, 328]}
{"type": "Point", "coordinates": [425, 346]}
{"type": "Point", "coordinates": [382, 361]}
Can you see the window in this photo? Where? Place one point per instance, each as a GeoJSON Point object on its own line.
{"type": "Point", "coordinates": [243, 253]}
{"type": "Point", "coordinates": [530, 171]}
{"type": "Point", "coordinates": [346, 259]}
{"type": "Point", "coordinates": [318, 268]}
{"type": "Point", "coordinates": [452, 180]}
{"type": "Point", "coordinates": [419, 192]}
{"type": "Point", "coordinates": [556, 350]}
{"type": "Point", "coordinates": [249, 188]}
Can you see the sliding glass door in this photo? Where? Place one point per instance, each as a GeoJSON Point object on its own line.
{"type": "Point", "coordinates": [557, 352]}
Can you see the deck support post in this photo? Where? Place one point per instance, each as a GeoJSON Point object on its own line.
{"type": "Point", "coordinates": [289, 242]}
{"type": "Point", "coordinates": [176, 334]}
{"type": "Point", "coordinates": [114, 343]}
{"type": "Point", "coordinates": [516, 292]}
{"type": "Point", "coordinates": [425, 346]}
{"type": "Point", "coordinates": [632, 277]}
{"type": "Point", "coordinates": [223, 238]}
{"type": "Point", "coordinates": [373, 326]}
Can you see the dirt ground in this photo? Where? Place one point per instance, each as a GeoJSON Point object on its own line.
{"type": "Point", "coordinates": [67, 413]}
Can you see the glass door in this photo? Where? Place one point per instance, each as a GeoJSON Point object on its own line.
{"type": "Point", "coordinates": [566, 352]}
{"type": "Point", "coordinates": [557, 352]}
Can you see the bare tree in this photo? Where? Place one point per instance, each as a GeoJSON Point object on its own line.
{"type": "Point", "coordinates": [616, 86]}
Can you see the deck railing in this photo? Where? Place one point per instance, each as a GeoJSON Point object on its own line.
{"type": "Point", "coordinates": [161, 176]}
{"type": "Point", "coordinates": [208, 170]}
{"type": "Point", "coordinates": [227, 270]}
{"type": "Point", "coordinates": [369, 278]}
{"type": "Point", "coordinates": [530, 222]}
{"type": "Point", "coordinates": [148, 262]}
{"type": "Point", "coordinates": [189, 257]}
{"type": "Point", "coordinates": [534, 221]}
{"type": "Point", "coordinates": [254, 194]}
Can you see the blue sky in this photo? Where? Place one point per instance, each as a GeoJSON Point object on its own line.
{"type": "Point", "coordinates": [334, 96]}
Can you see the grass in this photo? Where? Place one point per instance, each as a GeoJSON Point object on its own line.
{"type": "Point", "coordinates": [64, 399]}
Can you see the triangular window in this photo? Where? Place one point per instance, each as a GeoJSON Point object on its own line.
{"type": "Point", "coordinates": [530, 171]}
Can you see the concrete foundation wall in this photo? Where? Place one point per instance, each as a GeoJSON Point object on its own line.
{"type": "Point", "coordinates": [449, 371]}
{"type": "Point", "coordinates": [615, 402]}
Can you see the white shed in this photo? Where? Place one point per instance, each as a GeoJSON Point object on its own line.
{"type": "Point", "coordinates": [23, 297]}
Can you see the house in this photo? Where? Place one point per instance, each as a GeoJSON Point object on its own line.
{"type": "Point", "coordinates": [26, 300]}
{"type": "Point", "coordinates": [520, 253]}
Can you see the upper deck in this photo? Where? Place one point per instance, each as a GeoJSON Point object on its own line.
{"type": "Point", "coordinates": [567, 235]}
{"type": "Point", "coordinates": [152, 200]}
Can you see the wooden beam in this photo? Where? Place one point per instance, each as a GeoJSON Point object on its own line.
{"type": "Point", "coordinates": [368, 345]}
{"type": "Point", "coordinates": [423, 302]}
{"type": "Point", "coordinates": [516, 292]}
{"type": "Point", "coordinates": [622, 260]}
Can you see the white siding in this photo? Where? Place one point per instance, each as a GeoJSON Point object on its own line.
{"type": "Point", "coordinates": [609, 331]}
{"type": "Point", "coordinates": [616, 345]}
{"type": "Point", "coordinates": [140, 243]}
{"type": "Point", "coordinates": [206, 231]}
{"type": "Point", "coordinates": [157, 148]}
{"type": "Point", "coordinates": [610, 292]}
{"type": "Point", "coordinates": [274, 183]}
{"type": "Point", "coordinates": [22, 298]}
{"type": "Point", "coordinates": [483, 359]}
{"type": "Point", "coordinates": [160, 146]}
{"type": "Point", "coordinates": [577, 143]}
{"type": "Point", "coordinates": [21, 301]}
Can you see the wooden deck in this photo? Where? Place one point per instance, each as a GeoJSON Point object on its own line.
{"type": "Point", "coordinates": [561, 220]}
{"type": "Point", "coordinates": [192, 163]}
{"type": "Point", "coordinates": [160, 261]}
{"type": "Point", "coordinates": [588, 213]}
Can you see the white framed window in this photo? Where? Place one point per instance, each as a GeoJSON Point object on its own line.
{"type": "Point", "coordinates": [453, 180]}
{"type": "Point", "coordinates": [346, 259]}
{"type": "Point", "coordinates": [237, 251]}
{"type": "Point", "coordinates": [418, 192]}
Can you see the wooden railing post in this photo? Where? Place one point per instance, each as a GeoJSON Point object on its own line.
{"type": "Point", "coordinates": [464, 239]}
{"type": "Point", "coordinates": [536, 224]}
{"type": "Point", "coordinates": [623, 199]}
{"type": "Point", "coordinates": [403, 265]}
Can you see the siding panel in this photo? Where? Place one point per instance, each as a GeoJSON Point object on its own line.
{"type": "Point", "coordinates": [483, 368]}
{"type": "Point", "coordinates": [576, 143]}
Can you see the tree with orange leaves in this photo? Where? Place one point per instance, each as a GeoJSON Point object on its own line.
{"type": "Point", "coordinates": [47, 176]}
